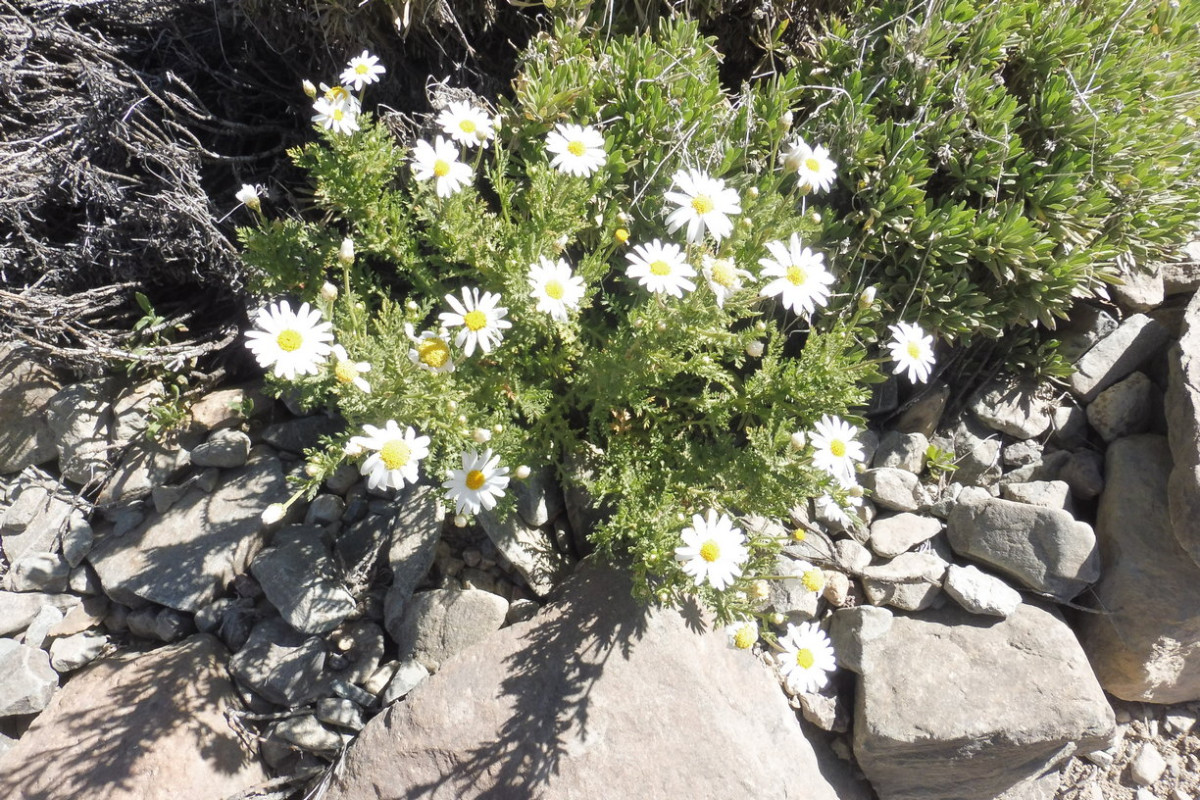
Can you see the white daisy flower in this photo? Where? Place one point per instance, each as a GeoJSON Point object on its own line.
{"type": "Point", "coordinates": [250, 196]}
{"type": "Point", "coordinates": [349, 373]}
{"type": "Point", "coordinates": [362, 70]}
{"type": "Point", "coordinates": [340, 95]}
{"type": "Point", "coordinates": [661, 268]}
{"type": "Point", "coordinates": [479, 484]}
{"type": "Point", "coordinates": [723, 276]}
{"type": "Point", "coordinates": [836, 449]}
{"type": "Point", "coordinates": [481, 319]}
{"type": "Point", "coordinates": [430, 351]}
{"type": "Point", "coordinates": [555, 288]}
{"type": "Point", "coordinates": [742, 635]}
{"type": "Point", "coordinates": [397, 453]}
{"type": "Point", "coordinates": [830, 509]}
{"type": "Point", "coordinates": [712, 550]}
{"type": "Point", "coordinates": [465, 124]}
{"type": "Point", "coordinates": [293, 342]}
{"type": "Point", "coordinates": [704, 203]}
{"type": "Point", "coordinates": [810, 577]}
{"type": "Point", "coordinates": [807, 658]}
{"type": "Point", "coordinates": [814, 168]}
{"type": "Point", "coordinates": [440, 161]}
{"type": "Point", "coordinates": [801, 280]}
{"type": "Point", "coordinates": [341, 118]}
{"type": "Point", "coordinates": [912, 350]}
{"type": "Point", "coordinates": [578, 149]}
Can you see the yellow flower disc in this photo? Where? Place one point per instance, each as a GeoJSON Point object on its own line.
{"type": "Point", "coordinates": [805, 658]}
{"type": "Point", "coordinates": [467, 126]}
{"type": "Point", "coordinates": [345, 372]}
{"type": "Point", "coordinates": [745, 637]}
{"type": "Point", "coordinates": [913, 349]}
{"type": "Point", "coordinates": [474, 480]}
{"type": "Point", "coordinates": [660, 268]}
{"type": "Point", "coordinates": [395, 454]}
{"type": "Point", "coordinates": [813, 580]}
{"type": "Point", "coordinates": [710, 551]}
{"type": "Point", "coordinates": [475, 320]}
{"type": "Point", "coordinates": [838, 448]}
{"type": "Point", "coordinates": [433, 353]}
{"type": "Point", "coordinates": [554, 290]}
{"type": "Point", "coordinates": [702, 204]}
{"type": "Point", "coordinates": [812, 164]}
{"type": "Point", "coordinates": [289, 340]}
{"type": "Point", "coordinates": [576, 148]}
{"type": "Point", "coordinates": [797, 275]}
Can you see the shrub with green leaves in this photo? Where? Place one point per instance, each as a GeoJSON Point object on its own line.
{"type": "Point", "coordinates": [610, 270]}
{"type": "Point", "coordinates": [1000, 159]}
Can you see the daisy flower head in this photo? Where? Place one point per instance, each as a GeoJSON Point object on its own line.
{"type": "Point", "coordinates": [362, 70]}
{"type": "Point", "coordinates": [807, 658]}
{"type": "Point", "coordinates": [341, 118]}
{"type": "Point", "coordinates": [832, 510]}
{"type": "Point", "coordinates": [440, 161]}
{"type": "Point", "coordinates": [704, 203]}
{"type": "Point", "coordinates": [661, 268]}
{"type": "Point", "coordinates": [724, 277]}
{"type": "Point", "coordinates": [577, 149]}
{"type": "Point", "coordinates": [466, 124]}
{"type": "Point", "coordinates": [712, 550]}
{"type": "Point", "coordinates": [340, 95]}
{"type": "Point", "coordinates": [349, 373]}
{"type": "Point", "coordinates": [430, 351]}
{"type": "Point", "coordinates": [479, 484]}
{"type": "Point", "coordinates": [800, 279]}
{"type": "Point", "coordinates": [555, 288]}
{"type": "Point", "coordinates": [250, 196]}
{"type": "Point", "coordinates": [292, 342]}
{"type": "Point", "coordinates": [393, 464]}
{"type": "Point", "coordinates": [742, 635]}
{"type": "Point", "coordinates": [810, 577]}
{"type": "Point", "coordinates": [836, 448]}
{"type": "Point", "coordinates": [912, 350]}
{"type": "Point", "coordinates": [480, 318]}
{"type": "Point", "coordinates": [815, 170]}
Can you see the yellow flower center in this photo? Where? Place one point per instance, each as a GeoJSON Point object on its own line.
{"type": "Point", "coordinates": [433, 353]}
{"type": "Point", "coordinates": [723, 274]}
{"type": "Point", "coordinates": [338, 114]}
{"type": "Point", "coordinates": [813, 580]}
{"type": "Point", "coordinates": [554, 290]}
{"type": "Point", "coordinates": [799, 535]}
{"type": "Point", "coordinates": [804, 658]}
{"type": "Point", "coordinates": [745, 637]}
{"type": "Point", "coordinates": [361, 69]}
{"type": "Point", "coordinates": [289, 340]}
{"type": "Point", "coordinates": [576, 148]}
{"type": "Point", "coordinates": [797, 275]}
{"type": "Point", "coordinates": [913, 350]}
{"type": "Point", "coordinates": [475, 320]}
{"type": "Point", "coordinates": [395, 454]}
{"type": "Point", "coordinates": [345, 371]}
{"type": "Point", "coordinates": [838, 448]}
{"type": "Point", "coordinates": [474, 480]}
{"type": "Point", "coordinates": [660, 268]}
{"type": "Point", "coordinates": [702, 204]}
{"type": "Point", "coordinates": [812, 165]}
{"type": "Point", "coordinates": [710, 551]}
{"type": "Point", "coordinates": [621, 235]}
{"type": "Point", "coordinates": [467, 126]}
{"type": "Point", "coordinates": [441, 168]}
{"type": "Point", "coordinates": [337, 93]}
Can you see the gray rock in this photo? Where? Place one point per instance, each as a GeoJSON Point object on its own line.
{"type": "Point", "coordinates": [297, 435]}
{"type": "Point", "coordinates": [980, 593]}
{"type": "Point", "coordinates": [72, 652]}
{"type": "Point", "coordinates": [307, 733]}
{"type": "Point", "coordinates": [1147, 766]}
{"type": "Point", "coordinates": [340, 712]}
{"type": "Point", "coordinates": [923, 414]}
{"type": "Point", "coordinates": [894, 489]}
{"type": "Point", "coordinates": [1020, 454]}
{"type": "Point", "coordinates": [976, 453]}
{"type": "Point", "coordinates": [789, 596]}
{"type": "Point", "coordinates": [850, 632]}
{"type": "Point", "coordinates": [580, 732]}
{"type": "Point", "coordinates": [539, 499]}
{"type": "Point", "coordinates": [1124, 408]}
{"type": "Point", "coordinates": [1180, 277]}
{"type": "Point", "coordinates": [1022, 409]}
{"type": "Point", "coordinates": [851, 556]}
{"type": "Point", "coordinates": [520, 610]}
{"type": "Point", "coordinates": [1141, 289]}
{"type": "Point", "coordinates": [891, 536]}
{"type": "Point", "coordinates": [225, 448]}
{"type": "Point", "coordinates": [297, 575]}
{"type": "Point", "coordinates": [281, 665]}
{"type": "Point", "coordinates": [440, 623]}
{"type": "Point", "coordinates": [26, 680]}
{"type": "Point", "coordinates": [77, 540]}
{"type": "Point", "coordinates": [1070, 426]}
{"type": "Point", "coordinates": [1004, 703]}
{"type": "Point", "coordinates": [1044, 548]}
{"type": "Point", "coordinates": [1116, 355]}
{"type": "Point", "coordinates": [79, 417]}
{"type": "Point", "coordinates": [1047, 494]}
{"type": "Point", "coordinates": [904, 451]}
{"type": "Point", "coordinates": [26, 388]}
{"type": "Point", "coordinates": [1086, 325]}
{"type": "Point", "coordinates": [38, 572]}
{"type": "Point", "coordinates": [909, 581]}
{"type": "Point", "coordinates": [1045, 470]}
{"type": "Point", "coordinates": [1145, 647]}
{"type": "Point", "coordinates": [530, 551]}
{"type": "Point", "coordinates": [414, 534]}
{"type": "Point", "coordinates": [144, 466]}
{"type": "Point", "coordinates": [40, 627]}
{"type": "Point", "coordinates": [19, 609]}
{"type": "Point", "coordinates": [1180, 720]}
{"type": "Point", "coordinates": [1083, 472]}
{"type": "Point", "coordinates": [408, 676]}
{"type": "Point", "coordinates": [131, 410]}
{"type": "Point", "coordinates": [361, 645]}
{"type": "Point", "coordinates": [184, 557]}
{"type": "Point", "coordinates": [1183, 430]}
{"type": "Point", "coordinates": [35, 522]}
{"type": "Point", "coordinates": [225, 408]}
{"type": "Point", "coordinates": [324, 509]}
{"type": "Point", "coordinates": [583, 512]}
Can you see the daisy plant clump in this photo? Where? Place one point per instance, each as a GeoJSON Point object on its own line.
{"type": "Point", "coordinates": [615, 276]}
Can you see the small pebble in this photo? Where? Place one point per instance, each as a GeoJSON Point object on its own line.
{"type": "Point", "coordinates": [1145, 794]}
{"type": "Point", "coordinates": [1101, 758]}
{"type": "Point", "coordinates": [1147, 766]}
{"type": "Point", "coordinates": [1180, 794]}
{"type": "Point", "coordinates": [1180, 722]}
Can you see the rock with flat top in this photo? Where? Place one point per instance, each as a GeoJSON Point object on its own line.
{"type": "Point", "coordinates": [1134, 341]}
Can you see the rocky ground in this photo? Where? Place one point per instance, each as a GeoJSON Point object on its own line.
{"type": "Point", "coordinates": [1026, 626]}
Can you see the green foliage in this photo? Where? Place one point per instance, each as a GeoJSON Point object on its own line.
{"type": "Point", "coordinates": [663, 388]}
{"type": "Point", "coordinates": [998, 159]}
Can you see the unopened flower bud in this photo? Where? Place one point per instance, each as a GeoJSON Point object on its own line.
{"type": "Point", "coordinates": [777, 618]}
{"type": "Point", "coordinates": [312, 470]}
{"type": "Point", "coordinates": [816, 215]}
{"type": "Point", "coordinates": [660, 326]}
{"type": "Point", "coordinates": [799, 440]}
{"type": "Point", "coordinates": [249, 196]}
{"type": "Point", "coordinates": [754, 349]}
{"type": "Point", "coordinates": [411, 305]}
{"type": "Point", "coordinates": [522, 472]}
{"type": "Point", "coordinates": [497, 429]}
{"type": "Point", "coordinates": [310, 89]}
{"type": "Point", "coordinates": [623, 218]}
{"type": "Point", "coordinates": [753, 191]}
{"type": "Point", "coordinates": [329, 292]}
{"type": "Point", "coordinates": [786, 120]}
{"type": "Point", "coordinates": [621, 235]}
{"type": "Point", "coordinates": [273, 513]}
{"type": "Point", "coordinates": [867, 298]}
{"type": "Point", "coordinates": [481, 435]}
{"type": "Point", "coordinates": [452, 405]}
{"type": "Point", "coordinates": [855, 491]}
{"type": "Point", "coordinates": [346, 252]}
{"type": "Point", "coordinates": [461, 419]}
{"type": "Point", "coordinates": [460, 521]}
{"type": "Point", "coordinates": [759, 590]}
{"type": "Point", "coordinates": [353, 449]}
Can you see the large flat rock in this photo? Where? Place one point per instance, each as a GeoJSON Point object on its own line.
{"type": "Point", "coordinates": [1183, 429]}
{"type": "Point", "coordinates": [136, 727]}
{"type": "Point", "coordinates": [1145, 642]}
{"type": "Point", "coordinates": [25, 391]}
{"type": "Point", "coordinates": [593, 698]}
{"type": "Point", "coordinates": [182, 558]}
